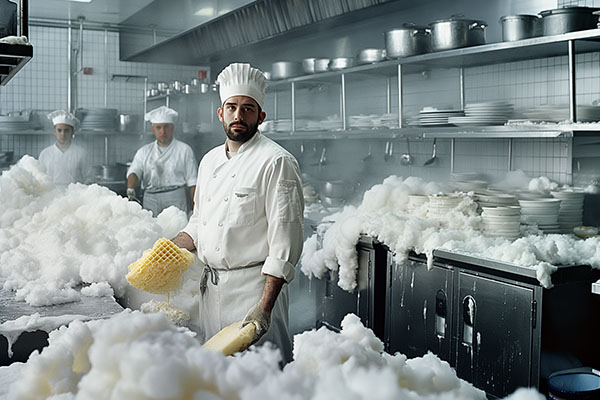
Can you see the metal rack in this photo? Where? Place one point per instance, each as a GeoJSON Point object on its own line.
{"type": "Point", "coordinates": [539, 47]}
{"type": "Point", "coordinates": [13, 57]}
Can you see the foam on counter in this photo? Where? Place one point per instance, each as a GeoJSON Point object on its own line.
{"type": "Point", "coordinates": [383, 215]}
{"type": "Point", "coordinates": [52, 239]}
{"type": "Point", "coordinates": [142, 356]}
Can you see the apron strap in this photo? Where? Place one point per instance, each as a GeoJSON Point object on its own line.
{"type": "Point", "coordinates": [211, 273]}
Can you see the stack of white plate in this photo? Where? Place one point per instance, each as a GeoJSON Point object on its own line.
{"type": "Point", "coordinates": [15, 123]}
{"type": "Point", "coordinates": [504, 221]}
{"type": "Point", "coordinates": [439, 205]}
{"type": "Point", "coordinates": [430, 116]}
{"type": "Point", "coordinates": [541, 212]}
{"type": "Point", "coordinates": [487, 113]}
{"type": "Point", "coordinates": [98, 119]}
{"type": "Point", "coordinates": [492, 198]}
{"type": "Point", "coordinates": [415, 201]}
{"type": "Point", "coordinates": [570, 213]}
{"type": "Point", "coordinates": [560, 112]}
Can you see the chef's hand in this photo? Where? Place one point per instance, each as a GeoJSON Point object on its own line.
{"type": "Point", "coordinates": [262, 319]}
{"type": "Point", "coordinates": [131, 194]}
{"type": "Point", "coordinates": [184, 241]}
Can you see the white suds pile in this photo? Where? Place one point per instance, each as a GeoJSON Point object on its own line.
{"type": "Point", "coordinates": [139, 356]}
{"type": "Point", "coordinates": [383, 215]}
{"type": "Point", "coordinates": [52, 240]}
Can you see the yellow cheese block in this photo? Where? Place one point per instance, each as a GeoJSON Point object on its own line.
{"type": "Point", "coordinates": [160, 269]}
{"type": "Point", "coordinates": [232, 338]}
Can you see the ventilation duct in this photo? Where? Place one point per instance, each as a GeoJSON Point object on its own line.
{"type": "Point", "coordinates": [251, 24]}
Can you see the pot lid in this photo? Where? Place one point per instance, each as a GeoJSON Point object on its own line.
{"type": "Point", "coordinates": [459, 18]}
{"type": "Point", "coordinates": [409, 26]}
{"type": "Point", "coordinates": [519, 16]}
{"type": "Point", "coordinates": [569, 10]}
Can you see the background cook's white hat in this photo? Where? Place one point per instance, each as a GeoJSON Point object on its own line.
{"type": "Point", "coordinates": [63, 117]}
{"type": "Point", "coordinates": [239, 79]}
{"type": "Point", "coordinates": [162, 115]}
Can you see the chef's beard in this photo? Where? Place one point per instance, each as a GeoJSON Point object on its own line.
{"type": "Point", "coordinates": [242, 136]}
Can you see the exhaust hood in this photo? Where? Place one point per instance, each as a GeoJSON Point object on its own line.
{"type": "Point", "coordinates": [252, 26]}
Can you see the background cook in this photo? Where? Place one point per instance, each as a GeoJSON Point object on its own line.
{"type": "Point", "coordinates": [166, 167]}
{"type": "Point", "coordinates": [65, 161]}
{"type": "Point", "coordinates": [247, 224]}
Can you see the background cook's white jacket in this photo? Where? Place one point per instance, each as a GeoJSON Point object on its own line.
{"type": "Point", "coordinates": [247, 209]}
{"type": "Point", "coordinates": [175, 166]}
{"type": "Point", "coordinates": [66, 167]}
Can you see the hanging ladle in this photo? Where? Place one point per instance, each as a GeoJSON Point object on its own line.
{"type": "Point", "coordinates": [407, 158]}
{"type": "Point", "coordinates": [433, 156]}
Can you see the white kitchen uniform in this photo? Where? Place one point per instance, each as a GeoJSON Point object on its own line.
{"type": "Point", "coordinates": [65, 167]}
{"type": "Point", "coordinates": [247, 222]}
{"type": "Point", "coordinates": [164, 174]}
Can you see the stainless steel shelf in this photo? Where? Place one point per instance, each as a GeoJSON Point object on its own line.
{"type": "Point", "coordinates": [483, 132]}
{"type": "Point", "coordinates": [493, 53]}
{"type": "Point", "coordinates": [13, 57]}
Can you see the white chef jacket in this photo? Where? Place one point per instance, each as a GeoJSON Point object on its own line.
{"type": "Point", "coordinates": [247, 210]}
{"type": "Point", "coordinates": [174, 166]}
{"type": "Point", "coordinates": [65, 167]}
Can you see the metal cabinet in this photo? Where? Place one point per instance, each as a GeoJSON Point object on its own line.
{"type": "Point", "coordinates": [495, 325]}
{"type": "Point", "coordinates": [420, 309]}
{"type": "Point", "coordinates": [367, 300]}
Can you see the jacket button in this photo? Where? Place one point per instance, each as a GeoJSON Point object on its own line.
{"type": "Point", "coordinates": [233, 176]}
{"type": "Point", "coordinates": [204, 223]}
{"type": "Point", "coordinates": [226, 198]}
{"type": "Point", "coordinates": [220, 224]}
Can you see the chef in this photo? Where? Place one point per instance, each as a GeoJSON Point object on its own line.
{"type": "Point", "coordinates": [166, 167]}
{"type": "Point", "coordinates": [65, 161]}
{"type": "Point", "coordinates": [247, 222]}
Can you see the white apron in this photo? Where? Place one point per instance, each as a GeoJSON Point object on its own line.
{"type": "Point", "coordinates": [228, 298]}
{"type": "Point", "coordinates": [158, 201]}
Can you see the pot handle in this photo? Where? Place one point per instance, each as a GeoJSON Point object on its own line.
{"type": "Point", "coordinates": [477, 25]}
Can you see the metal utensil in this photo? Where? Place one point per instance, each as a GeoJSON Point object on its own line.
{"type": "Point", "coordinates": [407, 158]}
{"type": "Point", "coordinates": [433, 156]}
{"type": "Point", "coordinates": [369, 155]}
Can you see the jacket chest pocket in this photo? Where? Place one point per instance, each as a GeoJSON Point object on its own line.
{"type": "Point", "coordinates": [242, 209]}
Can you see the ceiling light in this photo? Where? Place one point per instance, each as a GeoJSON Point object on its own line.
{"type": "Point", "coordinates": [205, 12]}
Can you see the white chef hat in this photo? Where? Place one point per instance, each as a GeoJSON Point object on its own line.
{"type": "Point", "coordinates": [63, 117]}
{"type": "Point", "coordinates": [239, 79]}
{"type": "Point", "coordinates": [162, 115]}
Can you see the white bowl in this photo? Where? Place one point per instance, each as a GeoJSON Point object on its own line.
{"type": "Point", "coordinates": [539, 219]}
{"type": "Point", "coordinates": [540, 203]}
{"type": "Point", "coordinates": [501, 210]}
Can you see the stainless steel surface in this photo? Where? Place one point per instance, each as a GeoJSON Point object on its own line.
{"type": "Point", "coordinates": [572, 83]}
{"type": "Point", "coordinates": [308, 65]}
{"type": "Point", "coordinates": [407, 158]}
{"type": "Point", "coordinates": [255, 22]}
{"type": "Point", "coordinates": [400, 76]}
{"type": "Point", "coordinates": [407, 41]}
{"type": "Point", "coordinates": [343, 110]}
{"type": "Point", "coordinates": [455, 33]}
{"type": "Point", "coordinates": [568, 19]}
{"type": "Point", "coordinates": [322, 64]}
{"type": "Point", "coordinates": [518, 27]}
{"type": "Point", "coordinates": [336, 188]}
{"type": "Point", "coordinates": [285, 69]}
{"type": "Point", "coordinates": [293, 105]}
{"type": "Point", "coordinates": [128, 123]}
{"type": "Point", "coordinates": [367, 56]}
{"type": "Point", "coordinates": [332, 202]}
{"type": "Point", "coordinates": [596, 288]}
{"type": "Point", "coordinates": [433, 154]}
{"type": "Point", "coordinates": [340, 63]}
{"type": "Point", "coordinates": [114, 172]}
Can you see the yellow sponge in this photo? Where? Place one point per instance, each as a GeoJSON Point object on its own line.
{"type": "Point", "coordinates": [160, 269]}
{"type": "Point", "coordinates": [232, 338]}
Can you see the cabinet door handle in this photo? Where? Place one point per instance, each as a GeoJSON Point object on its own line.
{"type": "Point", "coordinates": [469, 312]}
{"type": "Point", "coordinates": [440, 313]}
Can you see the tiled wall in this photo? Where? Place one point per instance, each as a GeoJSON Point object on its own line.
{"type": "Point", "coordinates": [41, 86]}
